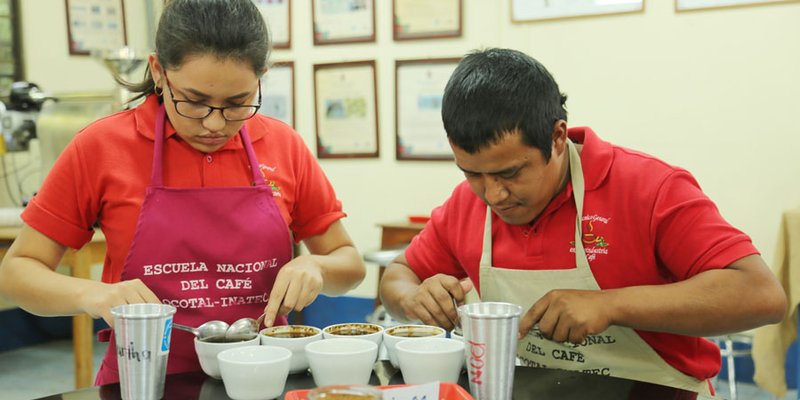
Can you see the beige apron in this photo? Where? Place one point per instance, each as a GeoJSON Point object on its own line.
{"type": "Point", "coordinates": [618, 351]}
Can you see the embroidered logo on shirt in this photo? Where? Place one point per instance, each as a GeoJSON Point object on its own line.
{"type": "Point", "coordinates": [593, 242]}
{"type": "Point", "coordinates": [276, 190]}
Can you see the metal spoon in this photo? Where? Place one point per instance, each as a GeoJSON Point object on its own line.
{"type": "Point", "coordinates": [206, 331]}
{"type": "Point", "coordinates": [244, 328]}
{"type": "Point", "coordinates": [457, 322]}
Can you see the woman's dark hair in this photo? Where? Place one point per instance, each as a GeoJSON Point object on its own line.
{"type": "Point", "coordinates": [495, 92]}
{"type": "Point", "coordinates": [227, 29]}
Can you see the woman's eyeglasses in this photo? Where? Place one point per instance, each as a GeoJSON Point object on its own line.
{"type": "Point", "coordinates": [195, 110]}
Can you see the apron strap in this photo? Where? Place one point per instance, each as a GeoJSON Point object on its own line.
{"type": "Point", "coordinates": [576, 178]}
{"type": "Point", "coordinates": [157, 175]}
{"type": "Point", "coordinates": [486, 254]}
{"type": "Point", "coordinates": [258, 179]}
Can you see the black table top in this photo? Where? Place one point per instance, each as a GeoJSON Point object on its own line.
{"type": "Point", "coordinates": [529, 383]}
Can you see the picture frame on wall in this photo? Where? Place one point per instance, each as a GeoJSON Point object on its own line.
{"type": "Point", "coordinates": [346, 110]}
{"type": "Point", "coordinates": [278, 15]}
{"type": "Point", "coordinates": [537, 10]}
{"type": "Point", "coordinates": [277, 91]}
{"type": "Point", "coordinates": [419, 87]}
{"type": "Point", "coordinates": [343, 21]}
{"type": "Point", "coordinates": [95, 25]}
{"type": "Point", "coordinates": [691, 5]}
{"type": "Point", "coordinates": [424, 19]}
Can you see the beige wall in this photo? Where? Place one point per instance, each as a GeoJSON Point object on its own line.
{"type": "Point", "coordinates": [712, 91]}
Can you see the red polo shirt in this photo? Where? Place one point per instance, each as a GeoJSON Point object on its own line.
{"type": "Point", "coordinates": [102, 174]}
{"type": "Point", "coordinates": [645, 223]}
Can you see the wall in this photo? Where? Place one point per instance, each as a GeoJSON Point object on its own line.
{"type": "Point", "coordinates": [46, 51]}
{"type": "Point", "coordinates": [713, 91]}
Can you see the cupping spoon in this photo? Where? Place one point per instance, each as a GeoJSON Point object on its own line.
{"type": "Point", "coordinates": [457, 322]}
{"type": "Point", "coordinates": [206, 331]}
{"type": "Point", "coordinates": [244, 328]}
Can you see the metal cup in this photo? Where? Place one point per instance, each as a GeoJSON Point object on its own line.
{"type": "Point", "coordinates": [142, 333]}
{"type": "Point", "coordinates": [490, 336]}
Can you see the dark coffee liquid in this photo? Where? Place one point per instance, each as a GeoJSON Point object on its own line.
{"type": "Point", "coordinates": [288, 335]}
{"type": "Point", "coordinates": [413, 333]}
{"type": "Point", "coordinates": [351, 332]}
{"type": "Point", "coordinates": [223, 339]}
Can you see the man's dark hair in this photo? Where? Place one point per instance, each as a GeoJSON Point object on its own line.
{"type": "Point", "coordinates": [495, 92]}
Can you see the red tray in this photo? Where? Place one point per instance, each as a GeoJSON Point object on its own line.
{"type": "Point", "coordinates": [418, 219]}
{"type": "Point", "coordinates": [447, 391]}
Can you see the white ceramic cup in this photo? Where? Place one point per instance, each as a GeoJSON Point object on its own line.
{"type": "Point", "coordinates": [292, 337]}
{"type": "Point", "coordinates": [207, 353]}
{"type": "Point", "coordinates": [430, 359]}
{"type": "Point", "coordinates": [341, 361]}
{"type": "Point", "coordinates": [254, 372]}
{"type": "Point", "coordinates": [355, 330]}
{"type": "Point", "coordinates": [393, 335]}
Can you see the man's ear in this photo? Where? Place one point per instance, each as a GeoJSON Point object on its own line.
{"type": "Point", "coordinates": [559, 136]}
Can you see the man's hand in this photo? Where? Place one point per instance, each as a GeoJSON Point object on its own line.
{"type": "Point", "coordinates": [99, 301]}
{"type": "Point", "coordinates": [568, 315]}
{"type": "Point", "coordinates": [432, 301]}
{"type": "Point", "coordinates": [297, 285]}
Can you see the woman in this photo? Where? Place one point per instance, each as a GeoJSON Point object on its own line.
{"type": "Point", "coordinates": [197, 194]}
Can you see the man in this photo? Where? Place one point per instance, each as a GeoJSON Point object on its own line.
{"type": "Point", "coordinates": [650, 268]}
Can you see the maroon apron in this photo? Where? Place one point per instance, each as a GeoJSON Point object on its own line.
{"type": "Point", "coordinates": [211, 252]}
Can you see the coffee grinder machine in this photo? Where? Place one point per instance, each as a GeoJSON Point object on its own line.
{"type": "Point", "coordinates": [120, 62]}
{"type": "Point", "coordinates": [19, 114]}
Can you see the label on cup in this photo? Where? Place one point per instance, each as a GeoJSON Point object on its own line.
{"type": "Point", "coordinates": [476, 361]}
{"type": "Point", "coordinates": [165, 339]}
{"type": "Point", "coordinates": [131, 352]}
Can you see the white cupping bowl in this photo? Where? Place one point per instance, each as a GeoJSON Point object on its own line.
{"type": "Point", "coordinates": [295, 344]}
{"type": "Point", "coordinates": [341, 361]}
{"type": "Point", "coordinates": [395, 334]}
{"type": "Point", "coordinates": [254, 372]}
{"type": "Point", "coordinates": [207, 353]}
{"type": "Point", "coordinates": [430, 359]}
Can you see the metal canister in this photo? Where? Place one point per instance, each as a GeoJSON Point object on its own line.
{"type": "Point", "coordinates": [490, 339]}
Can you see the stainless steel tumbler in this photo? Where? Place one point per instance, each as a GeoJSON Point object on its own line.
{"type": "Point", "coordinates": [490, 336]}
{"type": "Point", "coordinates": [142, 333]}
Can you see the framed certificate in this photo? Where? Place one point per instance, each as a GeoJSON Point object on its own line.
{"type": "Point", "coordinates": [419, 86]}
{"type": "Point", "coordinates": [278, 14]}
{"type": "Point", "coordinates": [689, 5]}
{"type": "Point", "coordinates": [95, 25]}
{"type": "Point", "coordinates": [424, 19]}
{"type": "Point", "coordinates": [277, 91]}
{"type": "Point", "coordinates": [346, 104]}
{"type": "Point", "coordinates": [533, 10]}
{"type": "Point", "coordinates": [343, 21]}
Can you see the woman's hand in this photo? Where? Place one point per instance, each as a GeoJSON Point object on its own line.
{"type": "Point", "coordinates": [334, 267]}
{"type": "Point", "coordinates": [99, 301]}
{"type": "Point", "coordinates": [298, 283]}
